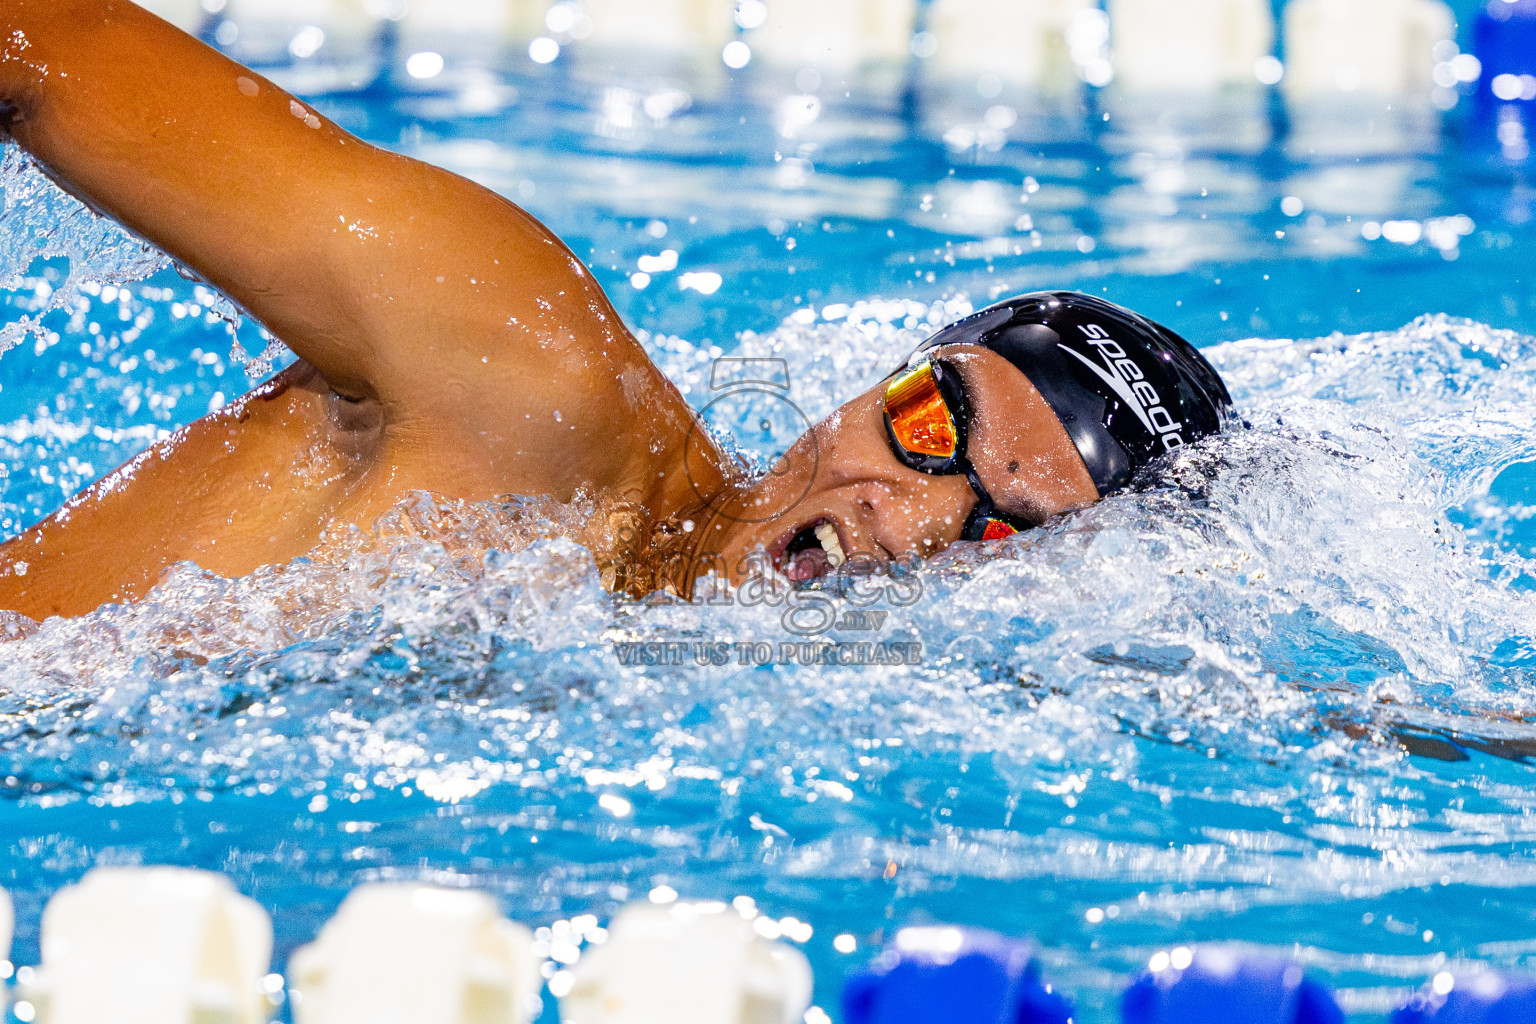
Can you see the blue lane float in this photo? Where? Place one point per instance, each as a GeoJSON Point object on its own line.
{"type": "Point", "coordinates": [948, 975]}
{"type": "Point", "coordinates": [1504, 39]}
{"type": "Point", "coordinates": [1215, 983]}
{"type": "Point", "coordinates": [1487, 998]}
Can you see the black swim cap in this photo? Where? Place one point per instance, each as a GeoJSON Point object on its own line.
{"type": "Point", "coordinates": [1126, 389]}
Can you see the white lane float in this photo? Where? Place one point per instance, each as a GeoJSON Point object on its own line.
{"type": "Point", "coordinates": [841, 38]}
{"type": "Point", "coordinates": [1043, 45]}
{"type": "Point", "coordinates": [1190, 46]}
{"type": "Point", "coordinates": [152, 946]}
{"type": "Point", "coordinates": [415, 954]}
{"type": "Point", "coordinates": [687, 963]}
{"type": "Point", "coordinates": [479, 29]}
{"type": "Point", "coordinates": [1372, 47]}
{"type": "Point", "coordinates": [665, 28]}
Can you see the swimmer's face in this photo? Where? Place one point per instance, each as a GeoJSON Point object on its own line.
{"type": "Point", "coordinates": [843, 488]}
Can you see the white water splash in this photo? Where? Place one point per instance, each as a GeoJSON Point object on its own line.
{"type": "Point", "coordinates": [39, 221]}
{"type": "Point", "coordinates": [1301, 569]}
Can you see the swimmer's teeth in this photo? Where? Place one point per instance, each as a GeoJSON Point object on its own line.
{"type": "Point", "coordinates": [827, 534]}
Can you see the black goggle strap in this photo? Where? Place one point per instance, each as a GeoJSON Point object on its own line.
{"type": "Point", "coordinates": [953, 390]}
{"type": "Point", "coordinates": [985, 522]}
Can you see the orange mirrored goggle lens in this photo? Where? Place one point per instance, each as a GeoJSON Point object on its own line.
{"type": "Point", "coordinates": [920, 418]}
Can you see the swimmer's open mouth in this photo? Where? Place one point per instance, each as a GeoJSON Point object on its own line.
{"type": "Point", "coordinates": [811, 552]}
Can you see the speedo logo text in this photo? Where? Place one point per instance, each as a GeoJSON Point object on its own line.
{"type": "Point", "coordinates": [1125, 378]}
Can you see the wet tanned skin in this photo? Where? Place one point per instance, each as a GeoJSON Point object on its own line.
{"type": "Point", "coordinates": [448, 342]}
{"type": "Point", "coordinates": [446, 327]}
{"type": "Point", "coordinates": [881, 509]}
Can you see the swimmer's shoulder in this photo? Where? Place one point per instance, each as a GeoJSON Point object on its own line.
{"type": "Point", "coordinates": [401, 282]}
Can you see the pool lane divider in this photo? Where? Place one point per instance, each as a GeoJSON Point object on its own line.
{"type": "Point", "coordinates": [1333, 48]}
{"type": "Point", "coordinates": [162, 945]}
{"type": "Point", "coordinates": [974, 68]}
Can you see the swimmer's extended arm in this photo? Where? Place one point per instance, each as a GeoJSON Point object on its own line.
{"type": "Point", "coordinates": [398, 280]}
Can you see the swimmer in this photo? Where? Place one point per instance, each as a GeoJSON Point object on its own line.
{"type": "Point", "coordinates": [449, 343]}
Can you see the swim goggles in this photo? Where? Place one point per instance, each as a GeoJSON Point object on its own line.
{"type": "Point", "coordinates": [926, 421]}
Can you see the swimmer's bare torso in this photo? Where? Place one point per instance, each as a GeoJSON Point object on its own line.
{"type": "Point", "coordinates": [448, 341]}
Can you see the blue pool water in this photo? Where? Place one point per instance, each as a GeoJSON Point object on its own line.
{"type": "Point", "coordinates": [1178, 715]}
